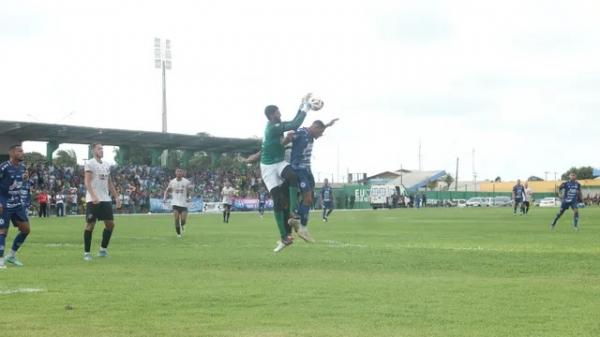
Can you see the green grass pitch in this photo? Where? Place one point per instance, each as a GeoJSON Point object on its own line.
{"type": "Point", "coordinates": [405, 272]}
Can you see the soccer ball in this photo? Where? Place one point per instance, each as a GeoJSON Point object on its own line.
{"type": "Point", "coordinates": [316, 104]}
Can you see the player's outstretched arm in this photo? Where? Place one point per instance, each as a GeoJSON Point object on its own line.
{"type": "Point", "coordinates": [289, 137]}
{"type": "Point", "coordinates": [252, 158]}
{"type": "Point", "coordinates": [332, 122]}
{"type": "Point", "coordinates": [300, 116]}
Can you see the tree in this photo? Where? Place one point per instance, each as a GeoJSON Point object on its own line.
{"type": "Point", "coordinates": [65, 158]}
{"type": "Point", "coordinates": [498, 179]}
{"type": "Point", "coordinates": [534, 178]}
{"type": "Point", "coordinates": [432, 185]}
{"type": "Point", "coordinates": [174, 159]}
{"type": "Point", "coordinates": [199, 161]}
{"type": "Point", "coordinates": [34, 158]}
{"type": "Point", "coordinates": [448, 180]}
{"type": "Point", "coordinates": [584, 172]}
{"type": "Point", "coordinates": [137, 156]}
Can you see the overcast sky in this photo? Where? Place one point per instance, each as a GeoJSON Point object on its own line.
{"type": "Point", "coordinates": [517, 81]}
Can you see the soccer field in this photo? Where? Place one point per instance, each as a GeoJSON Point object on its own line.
{"type": "Point", "coordinates": [405, 272]}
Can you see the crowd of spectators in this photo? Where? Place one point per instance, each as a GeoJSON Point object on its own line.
{"type": "Point", "coordinates": [592, 200]}
{"type": "Point", "coordinates": [135, 184]}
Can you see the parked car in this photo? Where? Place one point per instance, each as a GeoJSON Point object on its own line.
{"type": "Point", "coordinates": [460, 202]}
{"type": "Point", "coordinates": [487, 202]}
{"type": "Point", "coordinates": [474, 202]}
{"type": "Point", "coordinates": [502, 201]}
{"type": "Point", "coordinates": [550, 202]}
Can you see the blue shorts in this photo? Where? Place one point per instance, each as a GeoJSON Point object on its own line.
{"type": "Point", "coordinates": [327, 204]}
{"type": "Point", "coordinates": [518, 200]}
{"type": "Point", "coordinates": [306, 181]}
{"type": "Point", "coordinates": [566, 204]}
{"type": "Point", "coordinates": [13, 215]}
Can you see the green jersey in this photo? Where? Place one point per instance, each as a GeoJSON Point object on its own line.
{"type": "Point", "coordinates": [272, 150]}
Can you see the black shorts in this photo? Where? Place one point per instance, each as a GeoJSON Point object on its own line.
{"type": "Point", "coordinates": [179, 209]}
{"type": "Point", "coordinates": [101, 211]}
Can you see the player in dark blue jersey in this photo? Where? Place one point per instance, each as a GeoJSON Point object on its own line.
{"type": "Point", "coordinates": [518, 195]}
{"type": "Point", "coordinates": [570, 193]}
{"type": "Point", "coordinates": [11, 206]}
{"type": "Point", "coordinates": [326, 200]}
{"type": "Point", "coordinates": [262, 201]}
{"type": "Point", "coordinates": [302, 144]}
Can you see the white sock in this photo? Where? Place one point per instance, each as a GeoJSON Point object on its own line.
{"type": "Point", "coordinates": [102, 249]}
{"type": "Point", "coordinates": [1, 261]}
{"type": "Point", "coordinates": [12, 253]}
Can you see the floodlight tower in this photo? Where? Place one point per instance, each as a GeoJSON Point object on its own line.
{"type": "Point", "coordinates": [162, 60]}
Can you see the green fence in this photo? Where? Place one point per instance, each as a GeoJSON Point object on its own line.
{"type": "Point", "coordinates": [357, 196]}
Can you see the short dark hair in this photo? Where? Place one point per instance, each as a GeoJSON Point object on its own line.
{"type": "Point", "coordinates": [270, 110]}
{"type": "Point", "coordinates": [94, 145]}
{"type": "Point", "coordinates": [14, 146]}
{"type": "Point", "coordinates": [319, 124]}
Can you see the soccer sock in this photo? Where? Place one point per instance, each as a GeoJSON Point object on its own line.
{"type": "Point", "coordinates": [182, 224]}
{"type": "Point", "coordinates": [19, 239]}
{"type": "Point", "coordinates": [515, 208]}
{"type": "Point", "coordinates": [558, 215]}
{"type": "Point", "coordinates": [329, 211]}
{"type": "Point", "coordinates": [324, 213]}
{"type": "Point", "coordinates": [106, 237]}
{"type": "Point", "coordinates": [2, 242]}
{"type": "Point", "coordinates": [177, 227]}
{"type": "Point", "coordinates": [576, 219]}
{"type": "Point", "coordinates": [224, 215]}
{"type": "Point", "coordinates": [280, 219]}
{"type": "Point", "coordinates": [87, 240]}
{"type": "Point", "coordinates": [228, 215]}
{"type": "Point", "coordinates": [286, 218]}
{"type": "Point", "coordinates": [294, 199]}
{"type": "Point", "coordinates": [304, 211]}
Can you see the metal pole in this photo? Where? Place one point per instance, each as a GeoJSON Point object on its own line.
{"type": "Point", "coordinates": [456, 177]}
{"type": "Point", "coordinates": [164, 98]}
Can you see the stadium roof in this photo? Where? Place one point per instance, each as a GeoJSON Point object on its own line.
{"type": "Point", "coordinates": [26, 131]}
{"type": "Point", "coordinates": [412, 180]}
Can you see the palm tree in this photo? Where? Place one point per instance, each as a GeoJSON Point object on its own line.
{"type": "Point", "coordinates": [65, 158]}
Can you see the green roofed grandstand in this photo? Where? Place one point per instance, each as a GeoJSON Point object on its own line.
{"type": "Point", "coordinates": [54, 134]}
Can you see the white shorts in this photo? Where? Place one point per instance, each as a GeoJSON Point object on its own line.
{"type": "Point", "coordinates": [271, 174]}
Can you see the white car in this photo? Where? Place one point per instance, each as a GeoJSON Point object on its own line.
{"type": "Point", "coordinates": [475, 202]}
{"type": "Point", "coordinates": [550, 202]}
{"type": "Point", "coordinates": [460, 203]}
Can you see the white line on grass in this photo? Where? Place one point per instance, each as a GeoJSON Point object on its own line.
{"type": "Point", "coordinates": [21, 291]}
{"type": "Point", "coordinates": [339, 244]}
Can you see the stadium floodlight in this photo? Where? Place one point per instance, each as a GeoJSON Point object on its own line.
{"type": "Point", "coordinates": [163, 61]}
